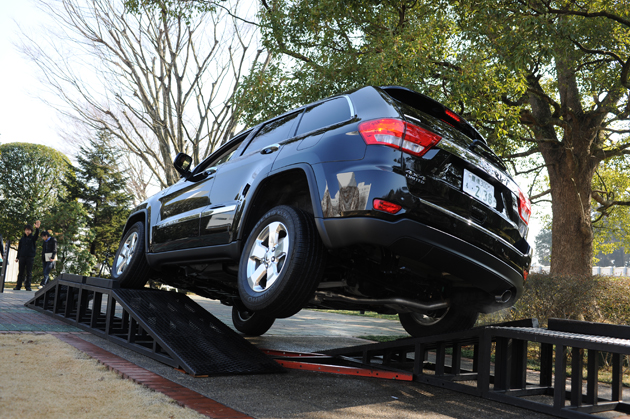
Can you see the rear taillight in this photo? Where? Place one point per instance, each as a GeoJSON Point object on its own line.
{"type": "Point", "coordinates": [398, 134]}
{"type": "Point", "coordinates": [386, 206]}
{"type": "Point", "coordinates": [524, 207]}
{"type": "Point", "coordinates": [419, 140]}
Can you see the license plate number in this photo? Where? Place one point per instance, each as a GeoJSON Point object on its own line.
{"type": "Point", "coordinates": [479, 188]}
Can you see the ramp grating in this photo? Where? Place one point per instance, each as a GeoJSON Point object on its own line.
{"type": "Point", "coordinates": [495, 364]}
{"type": "Point", "coordinates": [199, 338]}
{"type": "Point", "coordinates": [166, 326]}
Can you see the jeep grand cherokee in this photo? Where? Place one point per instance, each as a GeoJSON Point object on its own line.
{"type": "Point", "coordinates": [379, 199]}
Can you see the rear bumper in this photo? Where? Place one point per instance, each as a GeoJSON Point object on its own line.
{"type": "Point", "coordinates": [428, 245]}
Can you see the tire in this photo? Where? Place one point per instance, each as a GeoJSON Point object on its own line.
{"type": "Point", "coordinates": [436, 322]}
{"type": "Point", "coordinates": [130, 267]}
{"type": "Point", "coordinates": [277, 280]}
{"type": "Point", "coordinates": [251, 323]}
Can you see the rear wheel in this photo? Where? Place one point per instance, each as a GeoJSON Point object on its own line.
{"type": "Point", "coordinates": [450, 319]}
{"type": "Point", "coordinates": [281, 264]}
{"type": "Point", "coordinates": [251, 323]}
{"type": "Point", "coordinates": [130, 267]}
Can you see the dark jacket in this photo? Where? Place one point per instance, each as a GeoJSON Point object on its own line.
{"type": "Point", "coordinates": [49, 246]}
{"type": "Point", "coordinates": [26, 247]}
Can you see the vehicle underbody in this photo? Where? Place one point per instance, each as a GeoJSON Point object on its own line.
{"type": "Point", "coordinates": [358, 278]}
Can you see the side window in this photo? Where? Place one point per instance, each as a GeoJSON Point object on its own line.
{"type": "Point", "coordinates": [325, 114]}
{"type": "Point", "coordinates": [274, 132]}
{"type": "Point", "coordinates": [223, 156]}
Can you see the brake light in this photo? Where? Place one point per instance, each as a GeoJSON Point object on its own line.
{"type": "Point", "coordinates": [386, 206]}
{"type": "Point", "coordinates": [452, 115]}
{"type": "Point", "coordinates": [524, 207]}
{"type": "Point", "coordinates": [389, 132]}
{"type": "Point", "coordinates": [398, 134]}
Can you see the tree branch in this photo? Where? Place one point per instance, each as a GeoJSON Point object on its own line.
{"type": "Point", "coordinates": [540, 195]}
{"type": "Point", "coordinates": [569, 12]}
{"type": "Point", "coordinates": [529, 152]}
{"type": "Point", "coordinates": [152, 70]}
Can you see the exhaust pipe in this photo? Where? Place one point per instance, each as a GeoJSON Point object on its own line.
{"type": "Point", "coordinates": [503, 298]}
{"type": "Point", "coordinates": [411, 304]}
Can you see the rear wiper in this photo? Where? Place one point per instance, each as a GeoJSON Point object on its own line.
{"type": "Point", "coordinates": [487, 153]}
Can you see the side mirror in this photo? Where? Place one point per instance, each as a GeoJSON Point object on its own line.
{"type": "Point", "coordinates": [182, 164]}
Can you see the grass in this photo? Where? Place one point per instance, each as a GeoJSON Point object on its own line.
{"type": "Point", "coordinates": [43, 377]}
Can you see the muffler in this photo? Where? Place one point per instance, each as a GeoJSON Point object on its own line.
{"type": "Point", "coordinates": [403, 302]}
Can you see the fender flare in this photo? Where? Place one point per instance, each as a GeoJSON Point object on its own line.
{"type": "Point", "coordinates": [311, 179]}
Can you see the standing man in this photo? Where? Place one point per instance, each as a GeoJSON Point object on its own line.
{"type": "Point", "coordinates": [26, 256]}
{"type": "Point", "coordinates": [1, 255]}
{"type": "Point", "coordinates": [49, 255]}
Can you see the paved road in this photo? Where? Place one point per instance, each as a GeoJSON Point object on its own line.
{"type": "Point", "coordinates": [315, 323]}
{"type": "Point", "coordinates": [298, 394]}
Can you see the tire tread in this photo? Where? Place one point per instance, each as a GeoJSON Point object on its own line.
{"type": "Point", "coordinates": [454, 321]}
{"type": "Point", "coordinates": [307, 264]}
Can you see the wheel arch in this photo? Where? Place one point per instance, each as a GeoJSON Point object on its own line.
{"type": "Point", "coordinates": [279, 189]}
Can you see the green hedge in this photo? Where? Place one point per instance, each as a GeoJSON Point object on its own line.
{"type": "Point", "coordinates": [591, 298]}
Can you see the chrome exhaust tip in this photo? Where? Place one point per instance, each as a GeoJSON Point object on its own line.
{"type": "Point", "coordinates": [503, 298]}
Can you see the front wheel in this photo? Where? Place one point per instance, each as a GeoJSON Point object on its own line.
{"type": "Point", "coordinates": [130, 267]}
{"type": "Point", "coordinates": [281, 264]}
{"type": "Point", "coordinates": [450, 319]}
{"type": "Point", "coordinates": [251, 323]}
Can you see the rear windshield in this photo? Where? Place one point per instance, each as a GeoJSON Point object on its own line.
{"type": "Point", "coordinates": [441, 120]}
{"type": "Point", "coordinates": [434, 124]}
{"type": "Point", "coordinates": [447, 118]}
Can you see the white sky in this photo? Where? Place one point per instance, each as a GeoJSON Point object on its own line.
{"type": "Point", "coordinates": [23, 117]}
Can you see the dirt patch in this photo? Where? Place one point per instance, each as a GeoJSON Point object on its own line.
{"type": "Point", "coordinates": [42, 377]}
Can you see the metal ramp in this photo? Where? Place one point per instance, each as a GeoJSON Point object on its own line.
{"type": "Point", "coordinates": [495, 364]}
{"type": "Point", "coordinates": [166, 326]}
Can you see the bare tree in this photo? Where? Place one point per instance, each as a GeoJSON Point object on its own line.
{"type": "Point", "coordinates": [138, 182]}
{"type": "Point", "coordinates": [160, 83]}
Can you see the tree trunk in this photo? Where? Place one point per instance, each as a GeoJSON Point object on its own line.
{"type": "Point", "coordinates": [571, 166]}
{"type": "Point", "coordinates": [572, 234]}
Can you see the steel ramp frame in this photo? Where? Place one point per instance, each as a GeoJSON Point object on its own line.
{"type": "Point", "coordinates": [166, 326]}
{"type": "Point", "coordinates": [505, 379]}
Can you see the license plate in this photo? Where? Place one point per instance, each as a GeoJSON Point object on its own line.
{"type": "Point", "coordinates": [479, 188]}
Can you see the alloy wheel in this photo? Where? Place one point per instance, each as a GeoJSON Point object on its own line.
{"type": "Point", "coordinates": [267, 256]}
{"type": "Point", "coordinates": [125, 255]}
{"type": "Point", "coordinates": [431, 317]}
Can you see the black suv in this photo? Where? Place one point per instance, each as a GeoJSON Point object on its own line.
{"type": "Point", "coordinates": [379, 199]}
